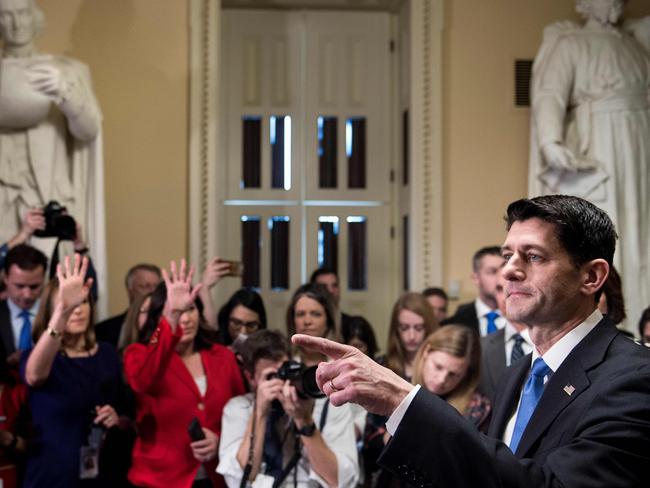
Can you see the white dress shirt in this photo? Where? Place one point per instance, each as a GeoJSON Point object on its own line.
{"type": "Point", "coordinates": [338, 434]}
{"type": "Point", "coordinates": [553, 359]}
{"type": "Point", "coordinates": [482, 309]}
{"type": "Point", "coordinates": [509, 333]}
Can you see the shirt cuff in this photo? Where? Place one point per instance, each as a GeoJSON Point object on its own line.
{"type": "Point", "coordinates": [397, 416]}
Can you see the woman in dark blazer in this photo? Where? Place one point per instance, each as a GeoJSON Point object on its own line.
{"type": "Point", "coordinates": [178, 373]}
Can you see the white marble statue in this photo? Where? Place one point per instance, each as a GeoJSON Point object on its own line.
{"type": "Point", "coordinates": [50, 131]}
{"type": "Point", "coordinates": [591, 128]}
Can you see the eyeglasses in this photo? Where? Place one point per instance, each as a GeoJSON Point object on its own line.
{"type": "Point", "coordinates": [239, 324]}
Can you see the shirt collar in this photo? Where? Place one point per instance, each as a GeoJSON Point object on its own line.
{"type": "Point", "coordinates": [16, 310]}
{"type": "Point", "coordinates": [559, 351]}
{"type": "Point", "coordinates": [510, 331]}
{"type": "Point", "coordinates": [482, 309]}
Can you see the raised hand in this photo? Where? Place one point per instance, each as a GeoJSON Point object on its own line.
{"type": "Point", "coordinates": [214, 271]}
{"type": "Point", "coordinates": [73, 287]}
{"type": "Point", "coordinates": [180, 293]}
{"type": "Point", "coordinates": [354, 377]}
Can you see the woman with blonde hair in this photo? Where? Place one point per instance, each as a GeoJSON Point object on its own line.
{"type": "Point", "coordinates": [411, 322]}
{"type": "Point", "coordinates": [135, 319]}
{"type": "Point", "coordinates": [448, 364]}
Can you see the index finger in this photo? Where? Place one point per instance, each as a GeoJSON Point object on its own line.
{"type": "Point", "coordinates": [331, 349]}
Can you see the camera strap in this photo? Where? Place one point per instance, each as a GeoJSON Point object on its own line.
{"type": "Point", "coordinates": [297, 454]}
{"type": "Point", "coordinates": [249, 464]}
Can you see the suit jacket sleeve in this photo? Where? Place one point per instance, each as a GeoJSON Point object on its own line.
{"type": "Point", "coordinates": [608, 447]}
{"type": "Point", "coordinates": [145, 365]}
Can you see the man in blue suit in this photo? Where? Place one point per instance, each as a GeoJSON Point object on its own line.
{"type": "Point", "coordinates": [574, 413]}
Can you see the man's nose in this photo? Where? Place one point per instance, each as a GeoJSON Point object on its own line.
{"type": "Point", "coordinates": [512, 269]}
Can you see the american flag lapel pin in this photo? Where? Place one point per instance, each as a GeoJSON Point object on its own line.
{"type": "Point", "coordinates": [569, 389]}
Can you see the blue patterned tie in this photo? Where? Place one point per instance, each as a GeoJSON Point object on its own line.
{"type": "Point", "coordinates": [25, 340]}
{"type": "Point", "coordinates": [517, 349]}
{"type": "Point", "coordinates": [492, 321]}
{"type": "Point", "coordinates": [532, 393]}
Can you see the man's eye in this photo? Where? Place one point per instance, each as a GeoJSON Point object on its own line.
{"type": "Point", "coordinates": [533, 258]}
{"type": "Point", "coordinates": [506, 256]}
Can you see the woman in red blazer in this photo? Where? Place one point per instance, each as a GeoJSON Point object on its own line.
{"type": "Point", "coordinates": [178, 374]}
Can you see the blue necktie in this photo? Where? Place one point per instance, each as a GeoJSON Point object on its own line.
{"type": "Point", "coordinates": [532, 393]}
{"type": "Point", "coordinates": [517, 349]}
{"type": "Point", "coordinates": [492, 321]}
{"type": "Point", "coordinates": [25, 340]}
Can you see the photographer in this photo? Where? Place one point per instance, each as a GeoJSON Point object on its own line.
{"type": "Point", "coordinates": [295, 441]}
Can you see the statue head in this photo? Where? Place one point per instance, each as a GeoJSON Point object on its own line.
{"type": "Point", "coordinates": [20, 21]}
{"type": "Point", "coordinates": [605, 12]}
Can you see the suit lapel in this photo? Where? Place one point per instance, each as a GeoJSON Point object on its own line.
{"type": "Point", "coordinates": [507, 397]}
{"type": "Point", "coordinates": [567, 383]}
{"type": "Point", "coordinates": [496, 356]}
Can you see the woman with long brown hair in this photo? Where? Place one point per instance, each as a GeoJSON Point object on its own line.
{"type": "Point", "coordinates": [411, 322]}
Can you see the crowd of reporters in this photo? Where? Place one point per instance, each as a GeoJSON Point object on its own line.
{"type": "Point", "coordinates": [173, 392]}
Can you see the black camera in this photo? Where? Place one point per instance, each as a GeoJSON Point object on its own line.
{"type": "Point", "coordinates": [300, 376]}
{"type": "Point", "coordinates": [57, 223]}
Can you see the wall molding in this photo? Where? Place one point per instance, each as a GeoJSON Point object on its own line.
{"type": "Point", "coordinates": [427, 28]}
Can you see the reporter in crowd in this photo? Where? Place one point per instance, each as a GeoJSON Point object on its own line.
{"type": "Point", "coordinates": [448, 365]}
{"type": "Point", "coordinates": [178, 374]}
{"type": "Point", "coordinates": [270, 437]}
{"type": "Point", "coordinates": [32, 222]}
{"type": "Point", "coordinates": [411, 322]}
{"type": "Point", "coordinates": [243, 313]}
{"type": "Point", "coordinates": [73, 381]}
{"type": "Point", "coordinates": [361, 335]}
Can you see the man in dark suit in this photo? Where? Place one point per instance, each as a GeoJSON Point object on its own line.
{"type": "Point", "coordinates": [503, 348]}
{"type": "Point", "coordinates": [24, 268]}
{"type": "Point", "coordinates": [574, 413]}
{"type": "Point", "coordinates": [140, 280]}
{"type": "Point", "coordinates": [482, 314]}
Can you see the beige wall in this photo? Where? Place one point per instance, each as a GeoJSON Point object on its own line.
{"type": "Point", "coordinates": [137, 51]}
{"type": "Point", "coordinates": [486, 138]}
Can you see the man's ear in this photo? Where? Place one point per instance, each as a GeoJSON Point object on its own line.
{"type": "Point", "coordinates": [594, 276]}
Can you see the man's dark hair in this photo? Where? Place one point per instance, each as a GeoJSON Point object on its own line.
{"type": "Point", "coordinates": [25, 257]}
{"type": "Point", "coordinates": [263, 344]}
{"type": "Point", "coordinates": [434, 291]}
{"type": "Point", "coordinates": [322, 272]}
{"type": "Point", "coordinates": [140, 267]}
{"type": "Point", "coordinates": [481, 253]}
{"type": "Point", "coordinates": [583, 230]}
